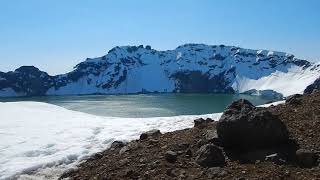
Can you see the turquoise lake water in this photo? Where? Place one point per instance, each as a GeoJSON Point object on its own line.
{"type": "Point", "coordinates": [145, 105]}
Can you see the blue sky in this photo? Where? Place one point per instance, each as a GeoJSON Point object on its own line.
{"type": "Point", "coordinates": [55, 35]}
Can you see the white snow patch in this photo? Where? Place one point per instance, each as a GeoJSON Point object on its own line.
{"type": "Point", "coordinates": [42, 136]}
{"type": "Point", "coordinates": [273, 103]}
{"type": "Point", "coordinates": [179, 55]}
{"type": "Point", "coordinates": [287, 83]}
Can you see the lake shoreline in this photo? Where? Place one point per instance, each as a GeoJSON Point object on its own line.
{"type": "Point", "coordinates": [146, 159]}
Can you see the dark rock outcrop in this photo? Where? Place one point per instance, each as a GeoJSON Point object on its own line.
{"type": "Point", "coordinates": [27, 80]}
{"type": "Point", "coordinates": [294, 99]}
{"type": "Point", "coordinates": [314, 86]}
{"type": "Point", "coordinates": [201, 123]}
{"type": "Point", "coordinates": [197, 82]}
{"type": "Point", "coordinates": [243, 126]}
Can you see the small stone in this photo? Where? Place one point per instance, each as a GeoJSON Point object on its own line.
{"type": "Point", "coordinates": [189, 153]}
{"type": "Point", "coordinates": [306, 158]}
{"type": "Point", "coordinates": [215, 172]}
{"type": "Point", "coordinates": [156, 162]}
{"type": "Point", "coordinates": [210, 156]}
{"type": "Point", "coordinates": [142, 165]}
{"type": "Point", "coordinates": [147, 175]}
{"type": "Point", "coordinates": [287, 173]}
{"type": "Point", "coordinates": [143, 136]}
{"type": "Point", "coordinates": [123, 162]}
{"type": "Point", "coordinates": [117, 144]}
{"type": "Point", "coordinates": [141, 160]}
{"type": "Point", "coordinates": [152, 133]}
{"type": "Point", "coordinates": [180, 152]}
{"type": "Point", "coordinates": [129, 173]}
{"type": "Point", "coordinates": [134, 145]}
{"type": "Point", "coordinates": [171, 156]}
{"type": "Point", "coordinates": [123, 150]}
{"type": "Point", "coordinates": [240, 178]}
{"type": "Point", "coordinates": [183, 146]}
{"type": "Point", "coordinates": [164, 147]}
{"type": "Point", "coordinates": [171, 172]}
{"type": "Point", "coordinates": [98, 155]}
{"type": "Point", "coordinates": [153, 141]}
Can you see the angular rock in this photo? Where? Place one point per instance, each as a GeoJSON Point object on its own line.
{"type": "Point", "coordinates": [151, 133]}
{"type": "Point", "coordinates": [243, 126]}
{"type": "Point", "coordinates": [306, 158]}
{"type": "Point", "coordinates": [212, 137]}
{"type": "Point", "coordinates": [211, 134]}
{"type": "Point", "coordinates": [171, 156]}
{"type": "Point", "coordinates": [210, 156]}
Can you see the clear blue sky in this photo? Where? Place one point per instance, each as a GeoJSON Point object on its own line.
{"type": "Point", "coordinates": [55, 35]}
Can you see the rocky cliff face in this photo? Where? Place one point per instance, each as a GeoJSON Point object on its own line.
{"type": "Point", "coordinates": [188, 68]}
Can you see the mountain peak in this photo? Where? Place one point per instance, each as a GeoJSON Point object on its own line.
{"type": "Point", "coordinates": [188, 68]}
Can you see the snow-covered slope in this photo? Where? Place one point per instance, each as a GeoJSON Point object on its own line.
{"type": "Point", "coordinates": [188, 68]}
{"type": "Point", "coordinates": [37, 136]}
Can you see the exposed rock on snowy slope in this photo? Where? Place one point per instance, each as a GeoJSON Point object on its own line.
{"type": "Point", "coordinates": [315, 85]}
{"type": "Point", "coordinates": [188, 68]}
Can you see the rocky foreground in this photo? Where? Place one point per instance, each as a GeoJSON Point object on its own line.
{"type": "Point", "coordinates": [278, 142]}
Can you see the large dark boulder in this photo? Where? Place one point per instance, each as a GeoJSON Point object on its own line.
{"type": "Point", "coordinates": [243, 126]}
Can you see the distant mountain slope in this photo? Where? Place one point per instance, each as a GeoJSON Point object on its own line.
{"type": "Point", "coordinates": [188, 68]}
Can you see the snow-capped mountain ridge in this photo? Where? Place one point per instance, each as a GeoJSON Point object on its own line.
{"type": "Point", "coordinates": [188, 68]}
